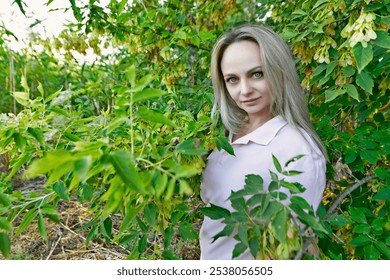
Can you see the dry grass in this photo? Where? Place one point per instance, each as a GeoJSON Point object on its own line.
{"type": "Point", "coordinates": [66, 239]}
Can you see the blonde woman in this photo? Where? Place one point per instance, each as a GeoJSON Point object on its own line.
{"type": "Point", "coordinates": [262, 105]}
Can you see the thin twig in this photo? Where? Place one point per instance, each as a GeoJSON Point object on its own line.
{"type": "Point", "coordinates": [55, 245]}
{"type": "Point", "coordinates": [346, 192]}
{"type": "Point", "coordinates": [32, 201]}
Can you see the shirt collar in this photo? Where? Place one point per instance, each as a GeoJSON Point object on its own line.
{"type": "Point", "coordinates": [264, 134]}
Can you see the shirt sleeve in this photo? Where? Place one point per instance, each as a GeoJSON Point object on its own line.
{"type": "Point", "coordinates": [312, 165]}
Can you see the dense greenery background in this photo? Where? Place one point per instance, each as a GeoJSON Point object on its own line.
{"type": "Point", "coordinates": [127, 134]}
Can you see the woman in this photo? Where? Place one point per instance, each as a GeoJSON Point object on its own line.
{"type": "Point", "coordinates": [262, 106]}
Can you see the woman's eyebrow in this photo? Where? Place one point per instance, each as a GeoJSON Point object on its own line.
{"type": "Point", "coordinates": [256, 68]}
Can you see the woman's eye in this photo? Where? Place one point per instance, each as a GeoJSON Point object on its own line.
{"type": "Point", "coordinates": [258, 74]}
{"type": "Point", "coordinates": [231, 80]}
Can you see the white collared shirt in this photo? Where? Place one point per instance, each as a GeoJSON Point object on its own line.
{"type": "Point", "coordinates": [253, 155]}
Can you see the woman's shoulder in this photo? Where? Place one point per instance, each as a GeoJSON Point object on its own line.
{"type": "Point", "coordinates": [296, 140]}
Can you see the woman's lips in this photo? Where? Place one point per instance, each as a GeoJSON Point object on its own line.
{"type": "Point", "coordinates": [251, 100]}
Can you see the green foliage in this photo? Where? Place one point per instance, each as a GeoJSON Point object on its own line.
{"type": "Point", "coordinates": [127, 134]}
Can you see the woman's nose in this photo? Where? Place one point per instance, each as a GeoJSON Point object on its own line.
{"type": "Point", "coordinates": [245, 87]}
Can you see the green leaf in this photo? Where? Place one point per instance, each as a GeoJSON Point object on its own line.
{"type": "Point", "coordinates": [338, 220]}
{"type": "Point", "coordinates": [142, 244]}
{"type": "Point", "coordinates": [20, 141]}
{"type": "Point", "coordinates": [51, 161]}
{"type": "Point", "coordinates": [170, 189]}
{"type": "Point", "coordinates": [277, 164]}
{"type": "Point", "coordinates": [369, 155]}
{"type": "Point", "coordinates": [272, 208]}
{"type": "Point", "coordinates": [382, 195]}
{"type": "Point", "coordinates": [190, 147]}
{"type": "Point", "coordinates": [318, 3]}
{"type": "Point", "coordinates": [223, 143]}
{"type": "Point", "coordinates": [113, 196]}
{"type": "Point", "coordinates": [298, 201]}
{"type": "Point", "coordinates": [382, 39]}
{"type": "Point", "coordinates": [362, 229]}
{"type": "Point", "coordinates": [349, 71]}
{"type": "Point", "coordinates": [148, 93]}
{"type": "Point", "coordinates": [187, 232]}
{"type": "Point", "coordinates": [81, 167]}
{"type": "Point", "coordinates": [254, 246]}
{"type": "Point", "coordinates": [279, 225]}
{"type": "Point", "coordinates": [238, 203]}
{"type": "Point", "coordinates": [42, 228]}
{"type": "Point", "coordinates": [294, 188]}
{"type": "Point", "coordinates": [215, 212]}
{"type": "Point", "coordinates": [22, 97]}
{"type": "Point", "coordinates": [253, 183]}
{"type": "Point", "coordinates": [227, 231]}
{"type": "Point", "coordinates": [320, 69]}
{"type": "Point", "coordinates": [291, 172]}
{"type": "Point", "coordinates": [331, 66]}
{"type": "Point", "coordinates": [124, 166]}
{"type": "Point", "coordinates": [150, 213]}
{"type": "Point", "coordinates": [5, 244]}
{"type": "Point", "coordinates": [184, 188]}
{"type": "Point", "coordinates": [365, 81]}
{"type": "Point", "coordinates": [48, 209]}
{"type": "Point", "coordinates": [143, 82]}
{"type": "Point", "coordinates": [243, 233]}
{"type": "Point", "coordinates": [294, 159]}
{"type": "Point", "coordinates": [185, 171]}
{"type": "Point", "coordinates": [383, 249]}
{"type": "Point", "coordinates": [333, 94]}
{"type": "Point", "coordinates": [40, 89]}
{"type": "Point", "coordinates": [4, 200]}
{"type": "Point", "coordinates": [37, 134]}
{"type": "Point", "coordinates": [106, 228]}
{"type": "Point", "coordinates": [5, 225]}
{"type": "Point", "coordinates": [24, 84]}
{"type": "Point", "coordinates": [154, 116]}
{"type": "Point", "coordinates": [91, 235]}
{"type": "Point", "coordinates": [357, 214]}
{"type": "Point", "coordinates": [26, 221]}
{"type": "Point", "coordinates": [352, 91]}
{"type": "Point", "coordinates": [238, 250]}
{"type": "Point", "coordinates": [20, 4]}
{"type": "Point", "coordinates": [363, 56]}
{"type": "Point", "coordinates": [61, 191]}
{"type": "Point", "coordinates": [382, 173]}
{"type": "Point", "coordinates": [169, 232]}
{"type": "Point", "coordinates": [350, 156]}
{"type": "Point", "coordinates": [130, 214]}
{"type": "Point", "coordinates": [371, 253]}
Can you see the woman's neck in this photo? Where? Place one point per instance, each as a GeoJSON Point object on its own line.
{"type": "Point", "coordinates": [251, 125]}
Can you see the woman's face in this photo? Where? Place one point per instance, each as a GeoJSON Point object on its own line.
{"type": "Point", "coordinates": [242, 71]}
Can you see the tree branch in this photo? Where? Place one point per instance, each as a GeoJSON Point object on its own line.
{"type": "Point", "coordinates": [332, 208]}
{"type": "Point", "coordinates": [346, 192]}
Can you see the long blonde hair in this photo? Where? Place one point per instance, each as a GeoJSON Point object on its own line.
{"type": "Point", "coordinates": [287, 96]}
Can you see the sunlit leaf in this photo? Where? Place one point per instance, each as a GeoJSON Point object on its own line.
{"type": "Point", "coordinates": [362, 55]}
{"type": "Point", "coordinates": [26, 221]}
{"type": "Point", "coordinates": [124, 166]}
{"type": "Point", "coordinates": [148, 93]}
